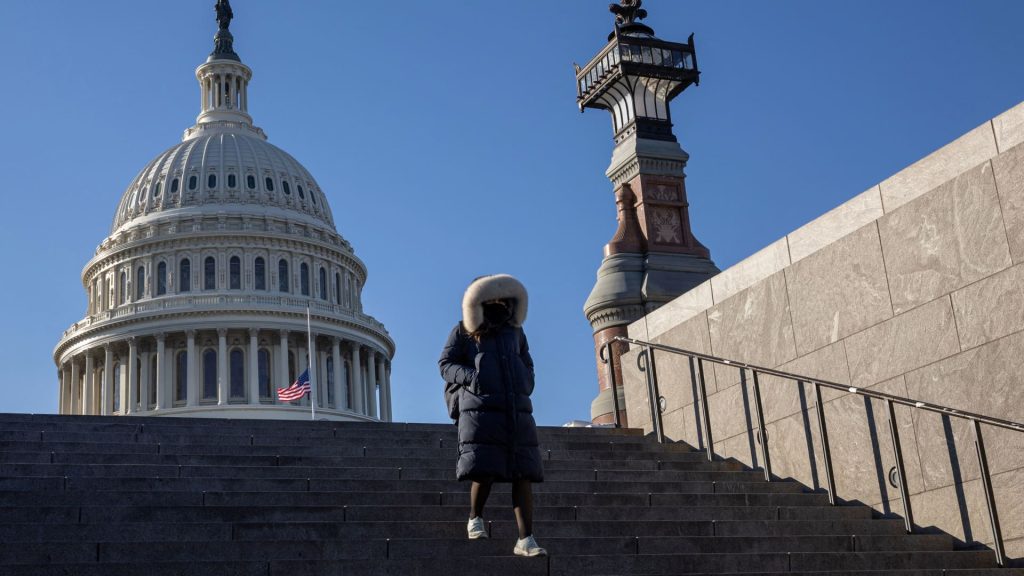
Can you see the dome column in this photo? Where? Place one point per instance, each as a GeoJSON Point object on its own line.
{"type": "Point", "coordinates": [192, 385]}
{"type": "Point", "coordinates": [340, 402]}
{"type": "Point", "coordinates": [64, 375]}
{"type": "Point", "coordinates": [385, 390]}
{"type": "Point", "coordinates": [357, 380]}
{"type": "Point", "coordinates": [371, 383]}
{"type": "Point", "coordinates": [130, 394]}
{"type": "Point", "coordinates": [90, 384]}
{"type": "Point", "coordinates": [107, 391]}
{"type": "Point", "coordinates": [315, 374]}
{"type": "Point", "coordinates": [254, 375]}
{"type": "Point", "coordinates": [145, 378]}
{"type": "Point", "coordinates": [222, 366]}
{"type": "Point", "coordinates": [161, 372]}
{"type": "Point", "coordinates": [282, 363]}
{"type": "Point", "coordinates": [76, 406]}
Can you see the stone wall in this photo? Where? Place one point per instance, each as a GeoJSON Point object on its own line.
{"type": "Point", "coordinates": [914, 287]}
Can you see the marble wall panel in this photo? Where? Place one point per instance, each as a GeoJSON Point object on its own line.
{"type": "Point", "coordinates": [1015, 549]}
{"type": "Point", "coordinates": [674, 369]}
{"type": "Point", "coordinates": [1008, 168]}
{"type": "Point", "coordinates": [672, 423]}
{"type": "Point", "coordinates": [1009, 127]}
{"type": "Point", "coordinates": [692, 431]}
{"type": "Point", "coordinates": [731, 411]}
{"type": "Point", "coordinates": [795, 449]}
{"type": "Point", "coordinates": [835, 224]}
{"type": "Point", "coordinates": [686, 306]}
{"type": "Point", "coordinates": [944, 240]}
{"type": "Point", "coordinates": [861, 446]}
{"type": "Point", "coordinates": [838, 291]}
{"type": "Point", "coordinates": [742, 448]}
{"type": "Point", "coordinates": [750, 271]}
{"type": "Point", "coordinates": [782, 398]}
{"type": "Point", "coordinates": [753, 326]}
{"type": "Point", "coordinates": [903, 343]}
{"type": "Point", "coordinates": [986, 380]}
{"type": "Point", "coordinates": [634, 387]}
{"type": "Point", "coordinates": [944, 164]}
{"type": "Point", "coordinates": [961, 510]}
{"type": "Point", "coordinates": [991, 308]}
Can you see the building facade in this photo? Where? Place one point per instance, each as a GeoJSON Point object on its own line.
{"type": "Point", "coordinates": [198, 299]}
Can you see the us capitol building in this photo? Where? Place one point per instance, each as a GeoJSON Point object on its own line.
{"type": "Point", "coordinates": [197, 300]}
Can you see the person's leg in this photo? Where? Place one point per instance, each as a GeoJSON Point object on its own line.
{"type": "Point", "coordinates": [522, 504]}
{"type": "Point", "coordinates": [478, 494]}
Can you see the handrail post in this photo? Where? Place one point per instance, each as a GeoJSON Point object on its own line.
{"type": "Point", "coordinates": [990, 499]}
{"type": "Point", "coordinates": [761, 430]}
{"type": "Point", "coordinates": [705, 413]}
{"type": "Point", "coordinates": [608, 357]}
{"type": "Point", "coordinates": [654, 399]}
{"type": "Point", "coordinates": [908, 515]}
{"type": "Point", "coordinates": [826, 450]}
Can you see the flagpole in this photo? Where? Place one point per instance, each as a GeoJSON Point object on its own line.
{"type": "Point", "coordinates": [312, 364]}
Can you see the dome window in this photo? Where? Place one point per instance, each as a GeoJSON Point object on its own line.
{"type": "Point", "coordinates": [161, 279]}
{"type": "Point", "coordinates": [261, 273]}
{"type": "Point", "coordinates": [156, 189]}
{"type": "Point", "coordinates": [209, 273]}
{"type": "Point", "coordinates": [270, 184]}
{"type": "Point", "coordinates": [211, 181]}
{"type": "Point", "coordinates": [193, 182]}
{"type": "Point", "coordinates": [286, 187]}
{"type": "Point", "coordinates": [250, 182]}
{"type": "Point", "coordinates": [282, 276]}
{"type": "Point", "coordinates": [174, 186]}
{"type": "Point", "coordinates": [312, 196]}
{"type": "Point", "coordinates": [304, 278]}
{"type": "Point", "coordinates": [185, 275]}
{"type": "Point", "coordinates": [235, 273]}
{"type": "Point", "coordinates": [232, 181]}
{"type": "Point", "coordinates": [302, 193]}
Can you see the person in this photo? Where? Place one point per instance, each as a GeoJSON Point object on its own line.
{"type": "Point", "coordinates": [489, 378]}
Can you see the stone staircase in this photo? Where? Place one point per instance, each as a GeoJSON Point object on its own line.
{"type": "Point", "coordinates": [83, 495]}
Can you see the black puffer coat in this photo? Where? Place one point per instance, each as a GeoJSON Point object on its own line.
{"type": "Point", "coordinates": [493, 380]}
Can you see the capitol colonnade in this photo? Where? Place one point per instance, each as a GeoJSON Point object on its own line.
{"type": "Point", "coordinates": [189, 372]}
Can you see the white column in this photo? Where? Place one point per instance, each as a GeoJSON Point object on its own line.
{"type": "Point", "coordinates": [76, 406]}
{"type": "Point", "coordinates": [222, 366]}
{"type": "Point", "coordinates": [161, 373]}
{"type": "Point", "coordinates": [340, 401]}
{"type": "Point", "coordinates": [107, 394]}
{"type": "Point", "coordinates": [144, 379]}
{"type": "Point", "coordinates": [371, 383]}
{"type": "Point", "coordinates": [385, 389]}
{"type": "Point", "coordinates": [282, 364]}
{"type": "Point", "coordinates": [254, 374]}
{"type": "Point", "coordinates": [130, 397]}
{"type": "Point", "coordinates": [357, 380]}
{"type": "Point", "coordinates": [192, 384]}
{"type": "Point", "coordinates": [62, 400]}
{"type": "Point", "coordinates": [315, 373]}
{"type": "Point", "coordinates": [90, 385]}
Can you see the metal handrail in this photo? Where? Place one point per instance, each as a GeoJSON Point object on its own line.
{"type": "Point", "coordinates": [697, 360]}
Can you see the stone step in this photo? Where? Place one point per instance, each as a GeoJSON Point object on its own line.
{"type": "Point", "coordinates": [353, 451]}
{"type": "Point", "coordinates": [394, 498]}
{"type": "Point", "coordinates": [188, 459]}
{"type": "Point", "coordinates": [200, 484]}
{"type": "Point", "coordinates": [502, 527]}
{"type": "Point", "coordinates": [363, 548]}
{"type": "Point", "coordinates": [100, 514]}
{"type": "Point", "coordinates": [350, 473]}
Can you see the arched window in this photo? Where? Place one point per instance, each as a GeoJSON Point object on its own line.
{"type": "Point", "coordinates": [209, 273]}
{"type": "Point", "coordinates": [263, 366]}
{"type": "Point", "coordinates": [304, 278]}
{"type": "Point", "coordinates": [209, 374]}
{"type": "Point", "coordinates": [161, 279]}
{"type": "Point", "coordinates": [312, 196]}
{"type": "Point", "coordinates": [330, 382]}
{"type": "Point", "coordinates": [174, 186]}
{"type": "Point", "coordinates": [157, 189]}
{"type": "Point", "coordinates": [193, 182]}
{"type": "Point", "coordinates": [260, 269]}
{"type": "Point", "coordinates": [117, 386]}
{"type": "Point", "coordinates": [286, 187]}
{"type": "Point", "coordinates": [337, 289]}
{"type": "Point", "coordinates": [301, 194]}
{"type": "Point", "coordinates": [122, 288]}
{"type": "Point", "coordinates": [152, 382]}
{"type": "Point", "coordinates": [282, 276]}
{"type": "Point", "coordinates": [235, 273]}
{"type": "Point", "coordinates": [211, 181]}
{"type": "Point", "coordinates": [237, 374]}
{"type": "Point", "coordinates": [181, 377]}
{"type": "Point", "coordinates": [323, 283]}
{"type": "Point", "coordinates": [185, 275]}
{"type": "Point", "coordinates": [250, 182]}
{"type": "Point", "coordinates": [270, 184]}
{"type": "Point", "coordinates": [140, 283]}
{"type": "Point", "coordinates": [232, 180]}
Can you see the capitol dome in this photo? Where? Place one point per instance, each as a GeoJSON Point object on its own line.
{"type": "Point", "coordinates": [224, 279]}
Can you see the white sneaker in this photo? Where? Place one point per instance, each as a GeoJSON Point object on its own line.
{"type": "Point", "coordinates": [475, 528]}
{"type": "Point", "coordinates": [528, 547]}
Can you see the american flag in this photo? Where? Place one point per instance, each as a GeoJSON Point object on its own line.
{"type": "Point", "coordinates": [297, 390]}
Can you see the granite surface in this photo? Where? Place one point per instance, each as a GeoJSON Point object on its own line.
{"type": "Point", "coordinates": [750, 271]}
{"type": "Point", "coordinates": [1008, 168]}
{"type": "Point", "coordinates": [1009, 128]}
{"type": "Point", "coordinates": [990, 308]}
{"type": "Point", "coordinates": [835, 224]}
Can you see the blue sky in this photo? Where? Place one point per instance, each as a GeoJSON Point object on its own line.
{"type": "Point", "coordinates": [447, 138]}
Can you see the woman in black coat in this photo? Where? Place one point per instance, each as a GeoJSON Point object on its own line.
{"type": "Point", "coordinates": [488, 376]}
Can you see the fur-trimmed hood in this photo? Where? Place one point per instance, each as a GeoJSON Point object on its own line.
{"type": "Point", "coordinates": [494, 287]}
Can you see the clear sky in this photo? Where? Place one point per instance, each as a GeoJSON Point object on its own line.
{"type": "Point", "coordinates": [447, 138]}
